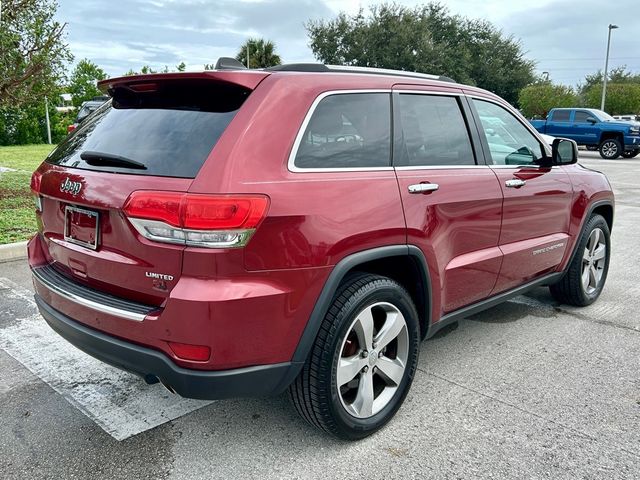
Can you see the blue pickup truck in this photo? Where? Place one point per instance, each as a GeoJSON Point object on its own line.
{"type": "Point", "coordinates": [593, 128]}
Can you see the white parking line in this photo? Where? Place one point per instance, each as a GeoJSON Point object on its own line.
{"type": "Point", "coordinates": [120, 403]}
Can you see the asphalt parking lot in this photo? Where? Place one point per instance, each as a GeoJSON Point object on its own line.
{"type": "Point", "coordinates": [529, 389]}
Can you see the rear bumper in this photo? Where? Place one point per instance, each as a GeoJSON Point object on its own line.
{"type": "Point", "coordinates": [256, 381]}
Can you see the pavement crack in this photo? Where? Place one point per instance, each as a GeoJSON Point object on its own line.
{"type": "Point", "coordinates": [528, 412]}
{"type": "Point", "coordinates": [585, 318]}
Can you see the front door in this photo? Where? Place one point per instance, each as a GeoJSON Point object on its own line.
{"type": "Point", "coordinates": [537, 200]}
{"type": "Point", "coordinates": [583, 125]}
{"type": "Point", "coordinates": [452, 201]}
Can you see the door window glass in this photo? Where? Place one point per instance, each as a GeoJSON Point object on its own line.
{"type": "Point", "coordinates": [433, 132]}
{"type": "Point", "coordinates": [347, 131]}
{"type": "Point", "coordinates": [510, 142]}
{"type": "Point", "coordinates": [581, 116]}
{"type": "Point", "coordinates": [561, 115]}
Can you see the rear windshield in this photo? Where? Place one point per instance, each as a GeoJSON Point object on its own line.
{"type": "Point", "coordinates": [166, 130]}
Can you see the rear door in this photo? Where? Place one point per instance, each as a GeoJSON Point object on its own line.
{"type": "Point", "coordinates": [153, 136]}
{"type": "Point", "coordinates": [559, 124]}
{"type": "Point", "coordinates": [452, 201]}
{"type": "Point", "coordinates": [537, 200]}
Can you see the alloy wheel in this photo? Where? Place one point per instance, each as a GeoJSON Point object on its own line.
{"type": "Point", "coordinates": [373, 360]}
{"type": "Point", "coordinates": [593, 261]}
{"type": "Point", "coordinates": [609, 149]}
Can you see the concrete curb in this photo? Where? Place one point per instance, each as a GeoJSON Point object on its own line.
{"type": "Point", "coordinates": [13, 251]}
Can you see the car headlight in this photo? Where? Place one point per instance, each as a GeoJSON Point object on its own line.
{"type": "Point", "coordinates": [635, 130]}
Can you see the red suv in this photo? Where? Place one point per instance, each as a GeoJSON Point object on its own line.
{"type": "Point", "coordinates": [241, 232]}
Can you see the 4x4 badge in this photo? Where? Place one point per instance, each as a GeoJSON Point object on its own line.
{"type": "Point", "coordinates": [70, 187]}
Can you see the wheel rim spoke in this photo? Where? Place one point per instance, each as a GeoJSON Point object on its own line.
{"type": "Point", "coordinates": [599, 252]}
{"type": "Point", "coordinates": [364, 328]}
{"type": "Point", "coordinates": [390, 330]}
{"type": "Point", "coordinates": [392, 370]}
{"type": "Point", "coordinates": [594, 239]}
{"type": "Point", "coordinates": [363, 404]}
{"type": "Point", "coordinates": [585, 277]}
{"type": "Point", "coordinates": [348, 368]}
{"type": "Point", "coordinates": [593, 281]}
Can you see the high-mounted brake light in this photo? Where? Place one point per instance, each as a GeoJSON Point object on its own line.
{"type": "Point", "coordinates": [214, 221]}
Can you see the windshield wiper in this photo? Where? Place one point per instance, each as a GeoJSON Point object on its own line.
{"type": "Point", "coordinates": [109, 159]}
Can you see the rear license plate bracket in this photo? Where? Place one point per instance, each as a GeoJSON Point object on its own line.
{"type": "Point", "coordinates": [81, 226]}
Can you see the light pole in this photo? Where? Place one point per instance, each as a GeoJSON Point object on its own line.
{"type": "Point", "coordinates": [606, 66]}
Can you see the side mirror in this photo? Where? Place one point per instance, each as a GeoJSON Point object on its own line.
{"type": "Point", "coordinates": [592, 120]}
{"type": "Point", "coordinates": [564, 151]}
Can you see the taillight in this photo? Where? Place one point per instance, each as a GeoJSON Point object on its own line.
{"type": "Point", "coordinates": [213, 221]}
{"type": "Point", "coordinates": [36, 179]}
{"type": "Point", "coordinates": [71, 128]}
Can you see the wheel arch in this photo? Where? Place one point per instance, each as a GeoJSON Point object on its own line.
{"type": "Point", "coordinates": [612, 135]}
{"type": "Point", "coordinates": [405, 264]}
{"type": "Point", "coordinates": [600, 207]}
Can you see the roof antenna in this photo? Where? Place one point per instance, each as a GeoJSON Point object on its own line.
{"type": "Point", "coordinates": [228, 63]}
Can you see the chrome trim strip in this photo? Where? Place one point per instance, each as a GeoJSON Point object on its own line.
{"type": "Point", "coordinates": [384, 71]}
{"type": "Point", "coordinates": [532, 165]}
{"type": "Point", "coordinates": [117, 312]}
{"type": "Point", "coordinates": [405, 91]}
{"type": "Point", "coordinates": [296, 145]}
{"type": "Point", "coordinates": [438, 167]}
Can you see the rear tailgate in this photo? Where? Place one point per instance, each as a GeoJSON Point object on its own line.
{"type": "Point", "coordinates": [155, 135]}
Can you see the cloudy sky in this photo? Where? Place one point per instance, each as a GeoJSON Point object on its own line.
{"type": "Point", "coordinates": [567, 38]}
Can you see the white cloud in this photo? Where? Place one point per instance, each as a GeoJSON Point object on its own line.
{"type": "Point", "coordinates": [566, 36]}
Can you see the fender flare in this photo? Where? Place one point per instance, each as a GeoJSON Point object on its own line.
{"type": "Point", "coordinates": [336, 276]}
{"type": "Point", "coordinates": [585, 219]}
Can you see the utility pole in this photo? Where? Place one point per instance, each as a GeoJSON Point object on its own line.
{"type": "Point", "coordinates": [46, 112]}
{"type": "Point", "coordinates": [247, 54]}
{"type": "Point", "coordinates": [606, 67]}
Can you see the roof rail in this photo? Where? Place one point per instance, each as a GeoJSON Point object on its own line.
{"type": "Point", "coordinates": [319, 67]}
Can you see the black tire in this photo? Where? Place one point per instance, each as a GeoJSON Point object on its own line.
{"type": "Point", "coordinates": [570, 288]}
{"type": "Point", "coordinates": [631, 154]}
{"type": "Point", "coordinates": [315, 393]}
{"type": "Point", "coordinates": [610, 149]}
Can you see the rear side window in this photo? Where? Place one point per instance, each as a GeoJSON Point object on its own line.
{"type": "Point", "coordinates": [169, 131]}
{"type": "Point", "coordinates": [561, 115]}
{"type": "Point", "coordinates": [433, 131]}
{"type": "Point", "coordinates": [348, 131]}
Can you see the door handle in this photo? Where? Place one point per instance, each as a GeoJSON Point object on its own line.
{"type": "Point", "coordinates": [515, 183]}
{"type": "Point", "coordinates": [423, 187]}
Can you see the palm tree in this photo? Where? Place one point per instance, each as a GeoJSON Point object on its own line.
{"type": "Point", "coordinates": [262, 53]}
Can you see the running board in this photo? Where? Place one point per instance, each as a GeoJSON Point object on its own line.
{"type": "Point", "coordinates": [472, 309]}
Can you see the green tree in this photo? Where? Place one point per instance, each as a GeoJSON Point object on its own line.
{"type": "Point", "coordinates": [424, 39]}
{"type": "Point", "coordinates": [82, 84]}
{"type": "Point", "coordinates": [33, 54]}
{"type": "Point", "coordinates": [621, 98]}
{"type": "Point", "coordinates": [181, 67]}
{"type": "Point", "coordinates": [262, 53]}
{"type": "Point", "coordinates": [536, 100]}
{"type": "Point", "coordinates": [26, 124]}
